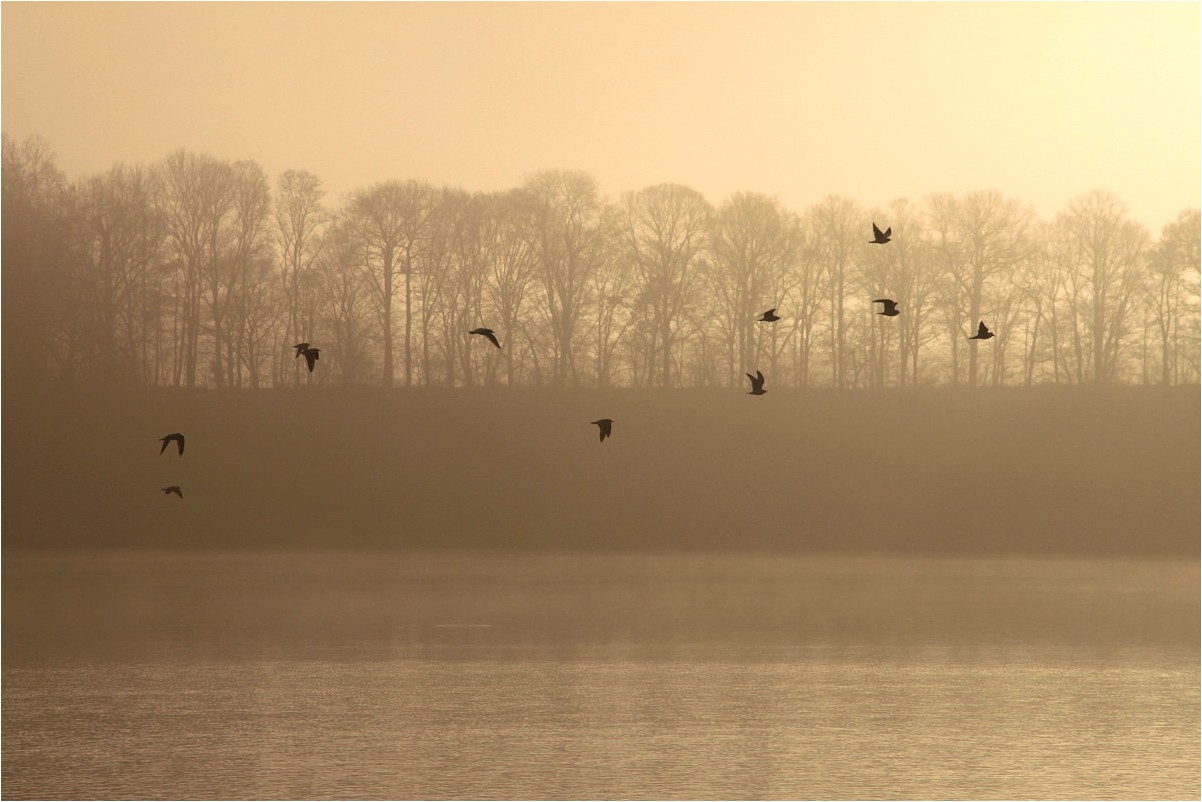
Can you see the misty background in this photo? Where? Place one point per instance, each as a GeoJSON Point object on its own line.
{"type": "Point", "coordinates": [919, 566]}
{"type": "Point", "coordinates": [164, 251]}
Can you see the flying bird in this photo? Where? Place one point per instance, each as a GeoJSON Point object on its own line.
{"type": "Point", "coordinates": [877, 237]}
{"type": "Point", "coordinates": [483, 332]}
{"type": "Point", "coordinates": [311, 356]}
{"type": "Point", "coordinates": [300, 349]}
{"type": "Point", "coordinates": [173, 489]}
{"type": "Point", "coordinates": [757, 384]}
{"type": "Point", "coordinates": [168, 439]}
{"type": "Point", "coordinates": [606, 425]}
{"type": "Point", "coordinates": [983, 332]}
{"type": "Point", "coordinates": [770, 316]}
{"type": "Point", "coordinates": [890, 307]}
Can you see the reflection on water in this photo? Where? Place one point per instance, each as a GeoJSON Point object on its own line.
{"type": "Point", "coordinates": [467, 675]}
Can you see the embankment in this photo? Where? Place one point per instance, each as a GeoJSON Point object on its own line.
{"type": "Point", "coordinates": [1064, 470]}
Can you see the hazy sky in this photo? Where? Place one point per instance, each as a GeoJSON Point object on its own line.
{"type": "Point", "coordinates": [1043, 101]}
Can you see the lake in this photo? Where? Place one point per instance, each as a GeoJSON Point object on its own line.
{"type": "Point", "coordinates": [485, 675]}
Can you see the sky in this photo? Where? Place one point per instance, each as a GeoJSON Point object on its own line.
{"type": "Point", "coordinates": [873, 101]}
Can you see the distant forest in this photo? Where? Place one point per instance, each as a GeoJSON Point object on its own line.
{"type": "Point", "coordinates": [197, 272]}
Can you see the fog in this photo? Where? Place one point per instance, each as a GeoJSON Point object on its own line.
{"type": "Point", "coordinates": [1049, 470]}
{"type": "Point", "coordinates": [1043, 101]}
{"type": "Point", "coordinates": [923, 564]}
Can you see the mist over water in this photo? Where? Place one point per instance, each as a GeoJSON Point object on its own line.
{"type": "Point", "coordinates": [132, 674]}
{"type": "Point", "coordinates": [463, 594]}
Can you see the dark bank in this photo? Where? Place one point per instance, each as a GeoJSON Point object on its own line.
{"type": "Point", "coordinates": [1044, 470]}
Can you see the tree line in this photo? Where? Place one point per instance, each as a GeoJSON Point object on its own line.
{"type": "Point", "coordinates": [198, 272]}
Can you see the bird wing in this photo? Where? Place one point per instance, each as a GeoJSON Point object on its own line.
{"type": "Point", "coordinates": [759, 377]}
{"type": "Point", "coordinates": [889, 231]}
{"type": "Point", "coordinates": [180, 439]}
{"type": "Point", "coordinates": [493, 339]}
{"type": "Point", "coordinates": [165, 440]}
{"type": "Point", "coordinates": [982, 328]}
{"type": "Point", "coordinates": [310, 357]}
{"type": "Point", "coordinates": [876, 232]}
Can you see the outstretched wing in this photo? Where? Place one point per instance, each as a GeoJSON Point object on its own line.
{"type": "Point", "coordinates": [876, 232]}
{"type": "Point", "coordinates": [492, 338]}
{"type": "Point", "coordinates": [311, 358]}
{"type": "Point", "coordinates": [179, 438]}
{"type": "Point", "coordinates": [889, 231]}
{"type": "Point", "coordinates": [165, 440]}
{"type": "Point", "coordinates": [982, 329]}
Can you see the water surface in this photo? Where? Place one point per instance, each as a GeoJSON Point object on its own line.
{"type": "Point", "coordinates": [370, 675]}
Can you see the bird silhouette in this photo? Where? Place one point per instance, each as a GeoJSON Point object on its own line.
{"type": "Point", "coordinates": [890, 307]}
{"type": "Point", "coordinates": [311, 356]}
{"type": "Point", "coordinates": [879, 238]}
{"type": "Point", "coordinates": [483, 332]}
{"type": "Point", "coordinates": [300, 349]}
{"type": "Point", "coordinates": [175, 437]}
{"type": "Point", "coordinates": [606, 425]}
{"type": "Point", "coordinates": [173, 489]}
{"type": "Point", "coordinates": [757, 384]}
{"type": "Point", "coordinates": [770, 316]}
{"type": "Point", "coordinates": [983, 332]}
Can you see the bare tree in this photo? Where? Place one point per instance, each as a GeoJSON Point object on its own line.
{"type": "Point", "coordinates": [36, 256]}
{"type": "Point", "coordinates": [663, 230]}
{"type": "Point", "coordinates": [120, 236]}
{"type": "Point", "coordinates": [511, 257]}
{"type": "Point", "coordinates": [250, 261]}
{"type": "Point", "coordinates": [564, 211]}
{"type": "Point", "coordinates": [345, 305]}
{"type": "Point", "coordinates": [301, 223]}
{"type": "Point", "coordinates": [463, 227]}
{"type": "Point", "coordinates": [1100, 255]}
{"type": "Point", "coordinates": [392, 219]}
{"type": "Point", "coordinates": [979, 238]}
{"type": "Point", "coordinates": [837, 240]}
{"type": "Point", "coordinates": [608, 299]}
{"type": "Point", "coordinates": [198, 196]}
{"type": "Point", "coordinates": [1172, 293]}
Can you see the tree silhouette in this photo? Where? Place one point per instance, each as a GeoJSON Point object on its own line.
{"type": "Point", "coordinates": [195, 272]}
